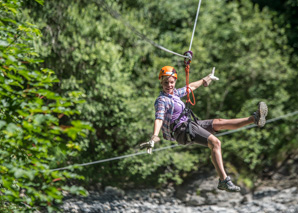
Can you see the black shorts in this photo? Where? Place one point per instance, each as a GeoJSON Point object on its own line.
{"type": "Point", "coordinates": [201, 129]}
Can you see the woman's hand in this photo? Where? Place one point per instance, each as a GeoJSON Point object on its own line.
{"type": "Point", "coordinates": [150, 144]}
{"type": "Point", "coordinates": [211, 77]}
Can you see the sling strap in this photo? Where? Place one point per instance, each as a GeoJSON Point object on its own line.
{"type": "Point", "coordinates": [190, 115]}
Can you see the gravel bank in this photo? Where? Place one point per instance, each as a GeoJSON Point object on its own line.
{"type": "Point", "coordinates": [265, 199]}
{"type": "Point", "coordinates": [197, 194]}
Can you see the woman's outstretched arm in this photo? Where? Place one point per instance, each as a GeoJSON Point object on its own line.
{"type": "Point", "coordinates": [196, 84]}
{"type": "Point", "coordinates": [157, 126]}
{"type": "Point", "coordinates": [204, 81]}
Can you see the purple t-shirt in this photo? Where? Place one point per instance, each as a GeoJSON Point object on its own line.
{"type": "Point", "coordinates": [178, 108]}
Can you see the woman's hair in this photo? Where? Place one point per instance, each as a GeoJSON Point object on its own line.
{"type": "Point", "coordinates": [164, 78]}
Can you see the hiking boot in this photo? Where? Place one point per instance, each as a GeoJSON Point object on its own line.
{"type": "Point", "coordinates": [228, 185]}
{"type": "Point", "coordinates": [260, 114]}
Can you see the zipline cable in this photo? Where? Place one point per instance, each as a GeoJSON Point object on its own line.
{"type": "Point", "coordinates": [115, 158]}
{"type": "Point", "coordinates": [117, 16]}
{"type": "Point", "coordinates": [172, 146]}
{"type": "Point", "coordinates": [195, 24]}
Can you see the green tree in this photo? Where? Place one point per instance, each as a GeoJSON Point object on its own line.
{"type": "Point", "coordinates": [285, 17]}
{"type": "Point", "coordinates": [31, 132]}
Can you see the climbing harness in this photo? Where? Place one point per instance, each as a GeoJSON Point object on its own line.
{"type": "Point", "coordinates": [190, 118]}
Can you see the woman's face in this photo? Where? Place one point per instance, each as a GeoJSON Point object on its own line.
{"type": "Point", "coordinates": [168, 85]}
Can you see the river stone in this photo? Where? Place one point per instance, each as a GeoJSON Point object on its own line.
{"type": "Point", "coordinates": [264, 192]}
{"type": "Point", "coordinates": [196, 201]}
{"type": "Point", "coordinates": [114, 191]}
{"type": "Point", "coordinates": [286, 196]}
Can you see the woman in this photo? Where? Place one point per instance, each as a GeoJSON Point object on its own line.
{"type": "Point", "coordinates": [168, 108]}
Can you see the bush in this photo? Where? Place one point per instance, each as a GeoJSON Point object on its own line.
{"type": "Point", "coordinates": [31, 131]}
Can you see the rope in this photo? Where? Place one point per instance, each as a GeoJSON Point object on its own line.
{"type": "Point", "coordinates": [188, 88]}
{"type": "Point", "coordinates": [117, 16]}
{"type": "Point", "coordinates": [172, 146]}
{"type": "Point", "coordinates": [195, 24]}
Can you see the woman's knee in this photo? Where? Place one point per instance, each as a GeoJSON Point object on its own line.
{"type": "Point", "coordinates": [218, 124]}
{"type": "Point", "coordinates": [214, 142]}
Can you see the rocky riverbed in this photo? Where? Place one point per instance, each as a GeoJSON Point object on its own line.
{"type": "Point", "coordinates": [268, 199]}
{"type": "Point", "coordinates": [197, 194]}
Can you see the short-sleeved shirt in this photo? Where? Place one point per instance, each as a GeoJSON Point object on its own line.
{"type": "Point", "coordinates": [164, 108]}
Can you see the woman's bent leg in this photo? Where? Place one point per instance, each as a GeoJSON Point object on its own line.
{"type": "Point", "coordinates": [225, 182]}
{"type": "Point", "coordinates": [215, 145]}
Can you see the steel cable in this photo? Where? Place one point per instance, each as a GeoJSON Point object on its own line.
{"type": "Point", "coordinates": [117, 16]}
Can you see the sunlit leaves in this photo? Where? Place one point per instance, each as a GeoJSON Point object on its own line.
{"type": "Point", "coordinates": [30, 130]}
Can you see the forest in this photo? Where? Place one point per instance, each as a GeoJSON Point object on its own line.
{"type": "Point", "coordinates": [79, 80]}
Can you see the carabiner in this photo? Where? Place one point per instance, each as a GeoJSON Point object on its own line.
{"type": "Point", "coordinates": [189, 55]}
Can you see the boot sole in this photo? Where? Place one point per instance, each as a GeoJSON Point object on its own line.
{"type": "Point", "coordinates": [225, 189]}
{"type": "Point", "coordinates": [263, 111]}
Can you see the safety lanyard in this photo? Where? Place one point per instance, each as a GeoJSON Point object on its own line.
{"type": "Point", "coordinates": [187, 62]}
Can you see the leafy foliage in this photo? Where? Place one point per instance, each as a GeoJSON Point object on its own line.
{"type": "Point", "coordinates": [31, 132]}
{"type": "Point", "coordinates": [285, 13]}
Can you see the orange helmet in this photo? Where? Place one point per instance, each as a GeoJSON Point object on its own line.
{"type": "Point", "coordinates": [167, 71]}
